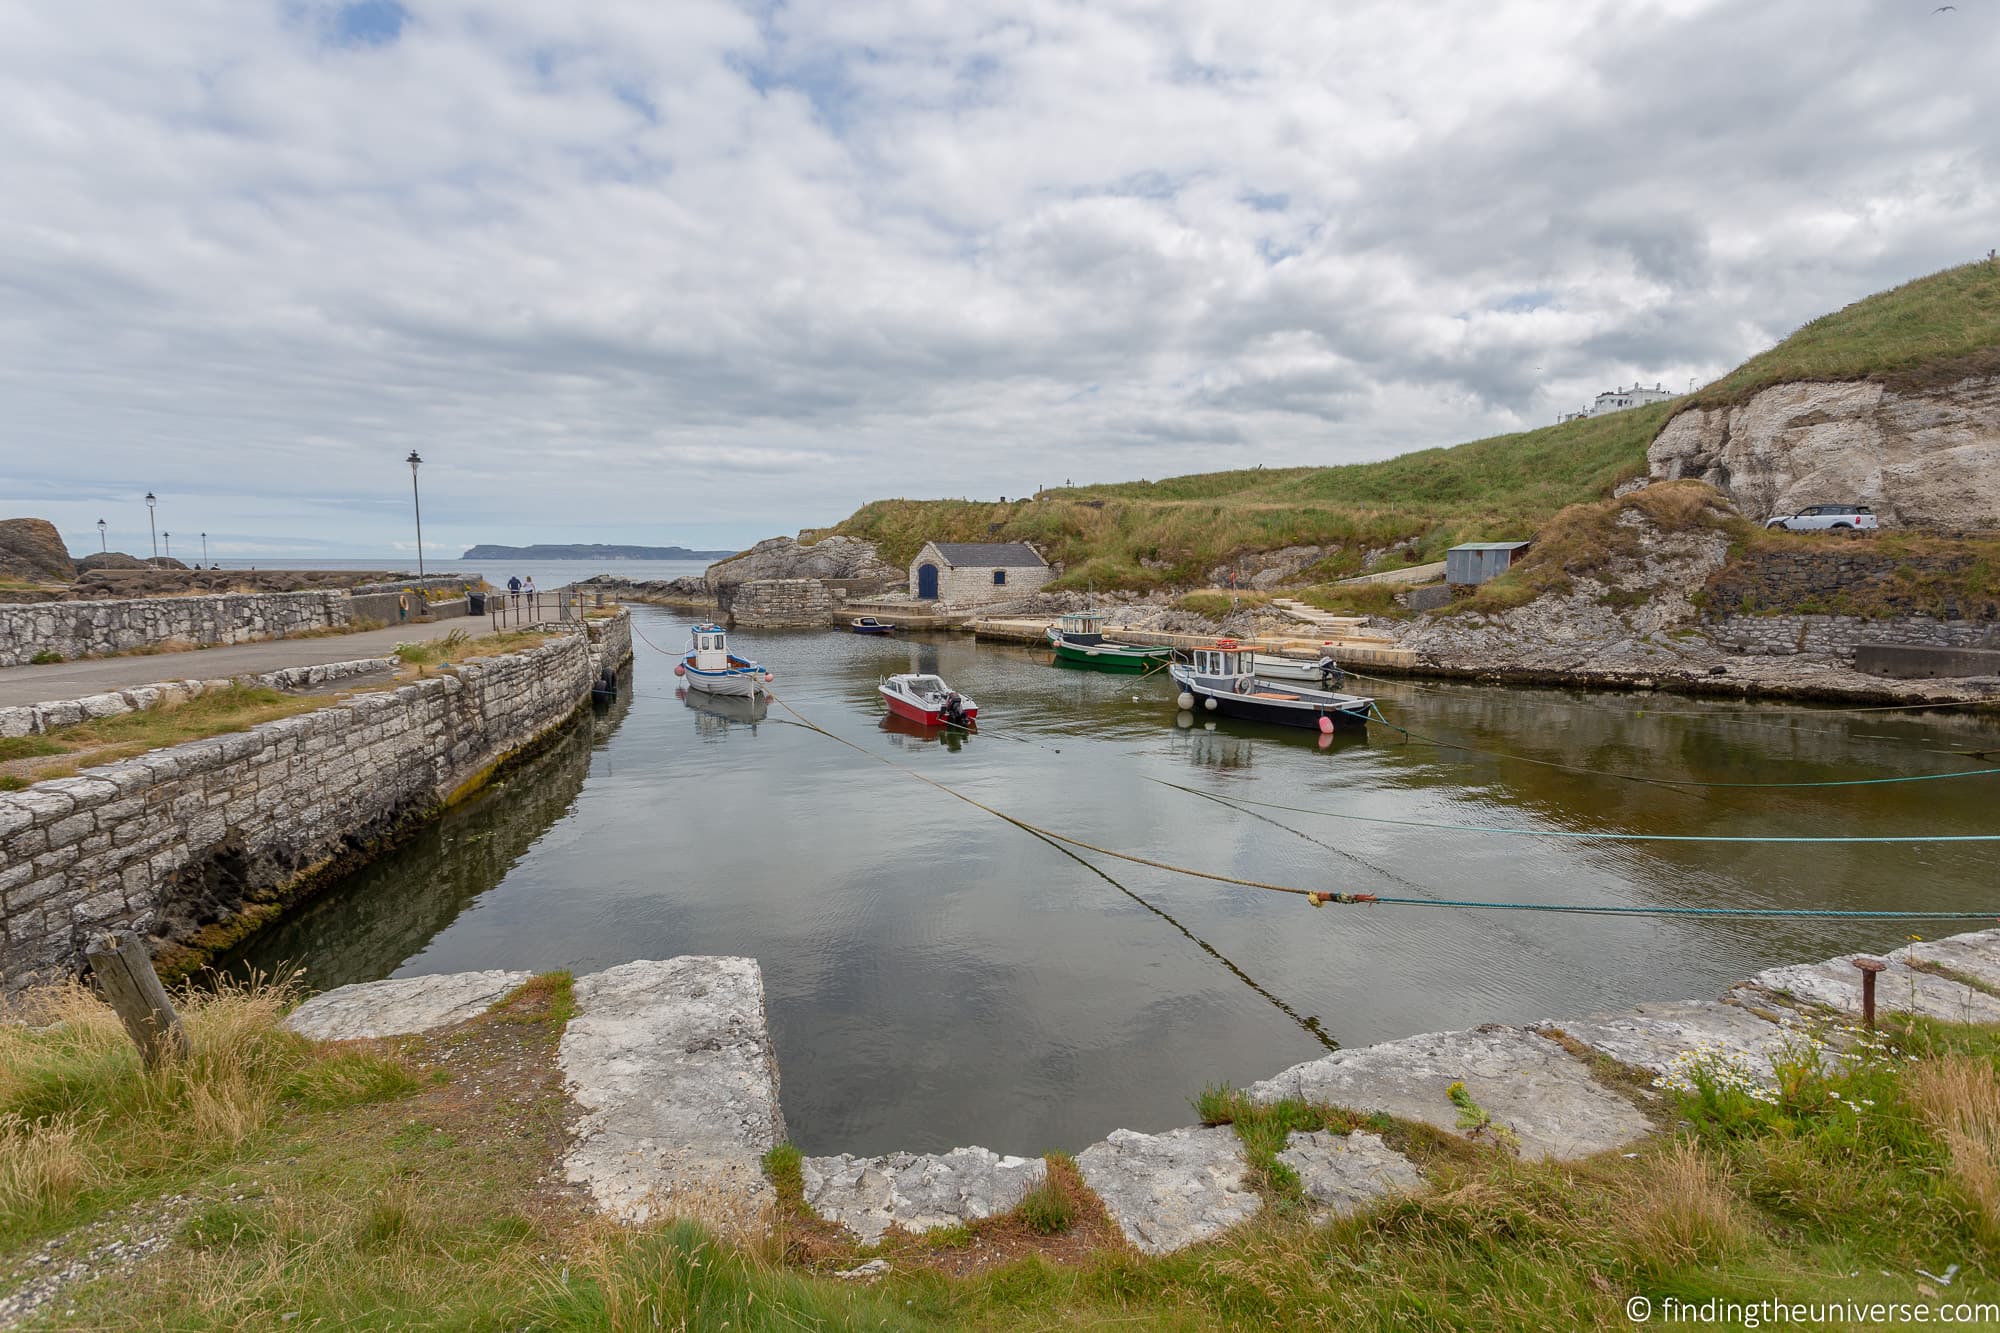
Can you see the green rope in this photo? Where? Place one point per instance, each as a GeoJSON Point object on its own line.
{"type": "Point", "coordinates": [1584, 833]}
{"type": "Point", "coordinates": [1678, 911]}
{"type": "Point", "coordinates": [1676, 782]}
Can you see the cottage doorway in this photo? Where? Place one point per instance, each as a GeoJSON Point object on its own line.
{"type": "Point", "coordinates": [927, 583]}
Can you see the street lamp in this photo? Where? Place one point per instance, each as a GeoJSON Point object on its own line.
{"type": "Point", "coordinates": [102, 544]}
{"type": "Point", "coordinates": [152, 500]}
{"type": "Point", "coordinates": [204, 549]}
{"type": "Point", "coordinates": [416, 503]}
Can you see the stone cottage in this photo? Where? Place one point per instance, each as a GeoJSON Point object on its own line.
{"type": "Point", "coordinates": [972, 573]}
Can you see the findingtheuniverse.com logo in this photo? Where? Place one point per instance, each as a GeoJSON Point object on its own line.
{"type": "Point", "coordinates": [1780, 1314]}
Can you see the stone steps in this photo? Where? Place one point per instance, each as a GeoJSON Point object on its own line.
{"type": "Point", "coordinates": [672, 1064]}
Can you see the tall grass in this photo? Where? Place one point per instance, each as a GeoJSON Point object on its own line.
{"type": "Point", "coordinates": [82, 1119]}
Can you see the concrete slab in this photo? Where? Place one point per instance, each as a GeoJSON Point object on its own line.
{"type": "Point", "coordinates": [400, 1006]}
{"type": "Point", "coordinates": [917, 1191]}
{"type": "Point", "coordinates": [1342, 1173]}
{"type": "Point", "coordinates": [1526, 1082]}
{"type": "Point", "coordinates": [1649, 1036]}
{"type": "Point", "coordinates": [1167, 1191]}
{"type": "Point", "coordinates": [672, 1064]}
{"type": "Point", "coordinates": [1837, 985]}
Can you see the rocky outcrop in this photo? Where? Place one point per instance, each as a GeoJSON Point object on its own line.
{"type": "Point", "coordinates": [1636, 606]}
{"type": "Point", "coordinates": [401, 1006]}
{"type": "Point", "coordinates": [32, 550]}
{"type": "Point", "coordinates": [848, 561]}
{"type": "Point", "coordinates": [917, 1192]}
{"type": "Point", "coordinates": [1924, 459]}
{"type": "Point", "coordinates": [1269, 569]}
{"type": "Point", "coordinates": [109, 560]}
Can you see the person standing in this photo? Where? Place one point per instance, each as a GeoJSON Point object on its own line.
{"type": "Point", "coordinates": [514, 593]}
{"type": "Point", "coordinates": [529, 589]}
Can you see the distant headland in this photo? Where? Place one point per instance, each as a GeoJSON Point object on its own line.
{"type": "Point", "coordinates": [589, 551]}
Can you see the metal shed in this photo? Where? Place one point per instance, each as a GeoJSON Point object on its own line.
{"type": "Point", "coordinates": [1475, 562]}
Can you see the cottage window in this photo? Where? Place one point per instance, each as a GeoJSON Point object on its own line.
{"type": "Point", "coordinates": [999, 577]}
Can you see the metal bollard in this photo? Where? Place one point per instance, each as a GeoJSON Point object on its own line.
{"type": "Point", "coordinates": [1869, 968]}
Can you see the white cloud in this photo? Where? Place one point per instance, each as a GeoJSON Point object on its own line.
{"type": "Point", "coordinates": [704, 271]}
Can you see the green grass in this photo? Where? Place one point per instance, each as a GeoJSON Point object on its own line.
{"type": "Point", "coordinates": [107, 740]}
{"type": "Point", "coordinates": [418, 1195]}
{"type": "Point", "coordinates": [458, 645]}
{"type": "Point", "coordinates": [1925, 334]}
{"type": "Point", "coordinates": [46, 657]}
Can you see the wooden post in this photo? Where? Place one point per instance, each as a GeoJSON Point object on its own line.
{"type": "Point", "coordinates": [124, 971]}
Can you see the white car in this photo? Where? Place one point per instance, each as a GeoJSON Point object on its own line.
{"type": "Point", "coordinates": [1826, 518]}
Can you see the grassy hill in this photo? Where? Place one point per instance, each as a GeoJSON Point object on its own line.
{"type": "Point", "coordinates": [1927, 333]}
{"type": "Point", "coordinates": [1149, 534]}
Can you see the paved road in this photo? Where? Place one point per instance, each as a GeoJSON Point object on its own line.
{"type": "Point", "coordinates": [73, 680]}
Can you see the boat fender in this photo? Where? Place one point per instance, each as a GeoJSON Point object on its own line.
{"type": "Point", "coordinates": [1325, 725]}
{"type": "Point", "coordinates": [1184, 699]}
{"type": "Point", "coordinates": [1209, 704]}
{"type": "Point", "coordinates": [680, 668]}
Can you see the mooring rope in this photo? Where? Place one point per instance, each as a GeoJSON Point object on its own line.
{"type": "Point", "coordinates": [1605, 836]}
{"type": "Point", "coordinates": [1679, 782]}
{"type": "Point", "coordinates": [1319, 898]}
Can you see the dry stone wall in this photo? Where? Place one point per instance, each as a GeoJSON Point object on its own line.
{"type": "Point", "coordinates": [1835, 638]}
{"type": "Point", "coordinates": [178, 843]}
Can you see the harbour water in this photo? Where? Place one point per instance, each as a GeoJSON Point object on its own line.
{"type": "Point", "coordinates": [937, 976]}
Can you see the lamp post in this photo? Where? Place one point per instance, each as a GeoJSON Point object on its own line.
{"type": "Point", "coordinates": [168, 538]}
{"type": "Point", "coordinates": [204, 549]}
{"type": "Point", "coordinates": [416, 503]}
{"type": "Point", "coordinates": [152, 500]}
{"type": "Point", "coordinates": [102, 543]}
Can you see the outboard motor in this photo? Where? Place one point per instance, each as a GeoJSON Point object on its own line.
{"type": "Point", "coordinates": [953, 710]}
{"type": "Point", "coordinates": [1330, 674]}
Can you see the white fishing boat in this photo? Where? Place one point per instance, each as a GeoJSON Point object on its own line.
{"type": "Point", "coordinates": [1224, 679]}
{"type": "Point", "coordinates": [709, 665]}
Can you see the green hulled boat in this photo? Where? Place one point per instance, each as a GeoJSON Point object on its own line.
{"type": "Point", "coordinates": [1078, 641]}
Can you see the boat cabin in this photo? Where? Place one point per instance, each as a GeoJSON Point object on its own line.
{"type": "Point", "coordinates": [711, 648]}
{"type": "Point", "coordinates": [1083, 627]}
{"type": "Point", "coordinates": [926, 687]}
{"type": "Point", "coordinates": [1224, 662]}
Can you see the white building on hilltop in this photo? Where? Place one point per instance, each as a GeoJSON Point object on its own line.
{"type": "Point", "coordinates": [1618, 400]}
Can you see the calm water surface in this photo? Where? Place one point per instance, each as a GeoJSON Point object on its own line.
{"type": "Point", "coordinates": [938, 977]}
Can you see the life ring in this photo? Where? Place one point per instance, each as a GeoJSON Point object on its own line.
{"type": "Point", "coordinates": [1226, 643]}
{"type": "Point", "coordinates": [1245, 684]}
{"type": "Point", "coordinates": [403, 601]}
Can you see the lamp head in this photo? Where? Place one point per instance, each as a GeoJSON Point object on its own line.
{"type": "Point", "coordinates": [413, 460]}
{"type": "Point", "coordinates": [151, 499]}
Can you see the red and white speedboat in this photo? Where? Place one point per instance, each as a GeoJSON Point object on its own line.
{"type": "Point", "coordinates": [927, 699]}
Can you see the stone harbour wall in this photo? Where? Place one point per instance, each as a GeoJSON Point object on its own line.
{"type": "Point", "coordinates": [770, 603]}
{"type": "Point", "coordinates": [190, 843]}
{"type": "Point", "coordinates": [1835, 638]}
{"type": "Point", "coordinates": [1842, 576]}
{"type": "Point", "coordinates": [81, 629]}
{"type": "Point", "coordinates": [610, 639]}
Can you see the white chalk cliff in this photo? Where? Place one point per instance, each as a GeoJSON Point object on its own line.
{"type": "Point", "coordinates": [1927, 458]}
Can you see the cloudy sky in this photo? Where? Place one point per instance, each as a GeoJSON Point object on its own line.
{"type": "Point", "coordinates": [695, 271]}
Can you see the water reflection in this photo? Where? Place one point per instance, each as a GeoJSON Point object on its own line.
{"type": "Point", "coordinates": [936, 976]}
{"type": "Point", "coordinates": [715, 714]}
{"type": "Point", "coordinates": [366, 925]}
{"type": "Point", "coordinates": [906, 732]}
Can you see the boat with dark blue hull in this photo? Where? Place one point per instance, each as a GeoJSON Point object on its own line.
{"type": "Point", "coordinates": [1223, 679]}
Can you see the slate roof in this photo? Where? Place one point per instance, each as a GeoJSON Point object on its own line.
{"type": "Point", "coordinates": [1007, 555]}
